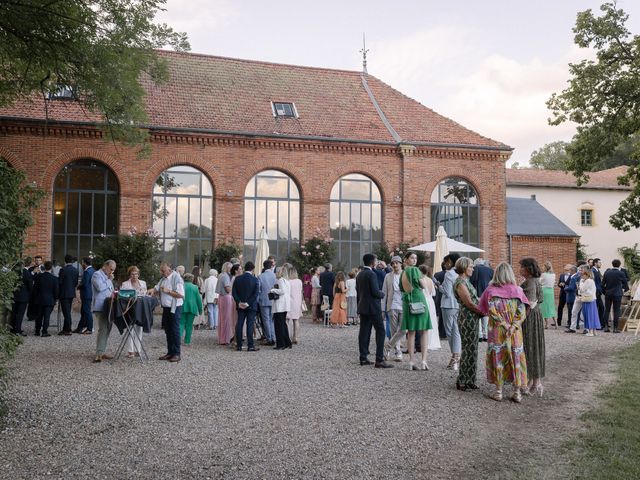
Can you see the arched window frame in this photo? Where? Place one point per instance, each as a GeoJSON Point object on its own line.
{"type": "Point", "coordinates": [456, 198]}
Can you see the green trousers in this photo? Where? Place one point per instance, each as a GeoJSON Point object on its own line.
{"type": "Point", "coordinates": [186, 326]}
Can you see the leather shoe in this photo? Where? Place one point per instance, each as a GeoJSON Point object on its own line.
{"type": "Point", "coordinates": [98, 359]}
{"type": "Point", "coordinates": [253, 349]}
{"type": "Point", "coordinates": [165, 357]}
{"type": "Point", "coordinates": [365, 362]}
{"type": "Point", "coordinates": [383, 365]}
{"type": "Point", "coordinates": [174, 358]}
{"type": "Point", "coordinates": [606, 330]}
{"type": "Point", "coordinates": [107, 357]}
{"type": "Point", "coordinates": [45, 334]}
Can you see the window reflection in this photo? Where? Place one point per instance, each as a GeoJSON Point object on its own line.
{"type": "Point", "coordinates": [454, 206]}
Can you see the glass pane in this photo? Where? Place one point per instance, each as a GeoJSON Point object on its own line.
{"type": "Point", "coordinates": [207, 189]}
{"type": "Point", "coordinates": [98, 214]}
{"type": "Point", "coordinates": [356, 190]}
{"type": "Point", "coordinates": [196, 254]}
{"type": "Point", "coordinates": [356, 226]}
{"type": "Point", "coordinates": [249, 252]}
{"type": "Point", "coordinates": [261, 215]}
{"type": "Point", "coordinates": [61, 180]}
{"type": "Point", "coordinates": [345, 253]}
{"type": "Point", "coordinates": [294, 217]}
{"type": "Point", "coordinates": [182, 209]}
{"type": "Point", "coordinates": [157, 186]}
{"type": "Point", "coordinates": [169, 251]}
{"type": "Point", "coordinates": [186, 183]}
{"type": "Point", "coordinates": [356, 255]}
{"type": "Point", "coordinates": [72, 213]}
{"type": "Point", "coordinates": [335, 191]}
{"type": "Point", "coordinates": [194, 217]}
{"type": "Point", "coordinates": [182, 248]}
{"type": "Point", "coordinates": [250, 189]}
{"type": "Point", "coordinates": [249, 209]}
{"type": "Point", "coordinates": [376, 222]}
{"type": "Point", "coordinates": [273, 187]}
{"type": "Point", "coordinates": [112, 182]}
{"type": "Point", "coordinates": [283, 220]}
{"type": "Point", "coordinates": [345, 233]}
{"type": "Point", "coordinates": [293, 190]}
{"type": "Point", "coordinates": [272, 218]}
{"type": "Point", "coordinates": [366, 221]}
{"type": "Point", "coordinates": [86, 208]}
{"type": "Point", "coordinates": [59, 212]}
{"type": "Point", "coordinates": [84, 248]}
{"type": "Point", "coordinates": [86, 178]}
{"type": "Point", "coordinates": [334, 220]}
{"type": "Point", "coordinates": [207, 218]}
{"type": "Point", "coordinates": [112, 214]}
{"type": "Point", "coordinates": [170, 219]}
{"type": "Point", "coordinates": [474, 227]}
{"type": "Point", "coordinates": [58, 250]}
{"type": "Point", "coordinates": [375, 193]}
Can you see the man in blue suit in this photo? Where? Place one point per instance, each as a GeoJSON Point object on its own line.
{"type": "Point", "coordinates": [267, 280]}
{"type": "Point", "coordinates": [45, 292]}
{"type": "Point", "coordinates": [68, 279]}
{"type": "Point", "coordinates": [245, 291]}
{"type": "Point", "coordinates": [597, 278]}
{"type": "Point", "coordinates": [614, 284]}
{"type": "Point", "coordinates": [21, 298]}
{"type": "Point", "coordinates": [85, 326]}
{"type": "Point", "coordinates": [572, 290]}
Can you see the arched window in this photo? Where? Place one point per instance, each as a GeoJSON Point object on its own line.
{"type": "Point", "coordinates": [272, 201]}
{"type": "Point", "coordinates": [85, 207]}
{"type": "Point", "coordinates": [183, 215]}
{"type": "Point", "coordinates": [454, 205]}
{"type": "Point", "coordinates": [355, 218]}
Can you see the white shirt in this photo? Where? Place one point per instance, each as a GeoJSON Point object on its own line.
{"type": "Point", "coordinates": [351, 287]}
{"type": "Point", "coordinates": [587, 287]}
{"type": "Point", "coordinates": [548, 280]}
{"type": "Point", "coordinates": [210, 285]}
{"type": "Point", "coordinates": [173, 280]}
{"type": "Point", "coordinates": [396, 303]}
{"type": "Point", "coordinates": [283, 303]}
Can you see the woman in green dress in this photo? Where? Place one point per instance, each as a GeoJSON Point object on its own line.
{"type": "Point", "coordinates": [533, 326]}
{"type": "Point", "coordinates": [467, 324]}
{"type": "Point", "coordinates": [415, 313]}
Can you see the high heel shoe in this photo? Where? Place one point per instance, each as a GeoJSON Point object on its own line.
{"type": "Point", "coordinates": [538, 390]}
{"type": "Point", "coordinates": [459, 386]}
{"type": "Point", "coordinates": [424, 366]}
{"type": "Point", "coordinates": [411, 366]}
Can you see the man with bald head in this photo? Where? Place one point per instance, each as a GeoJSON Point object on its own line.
{"type": "Point", "coordinates": [102, 289]}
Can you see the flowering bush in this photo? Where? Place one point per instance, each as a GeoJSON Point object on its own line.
{"type": "Point", "coordinates": [224, 251]}
{"type": "Point", "coordinates": [131, 248]}
{"type": "Point", "coordinates": [315, 252]}
{"type": "Point", "coordinates": [385, 252]}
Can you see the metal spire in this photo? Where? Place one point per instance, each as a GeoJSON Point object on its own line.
{"type": "Point", "coordinates": [364, 52]}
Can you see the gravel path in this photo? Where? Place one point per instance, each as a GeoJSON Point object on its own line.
{"type": "Point", "coordinates": [310, 412]}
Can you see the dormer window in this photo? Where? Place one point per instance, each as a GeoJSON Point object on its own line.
{"type": "Point", "coordinates": [283, 109]}
{"type": "Point", "coordinates": [61, 92]}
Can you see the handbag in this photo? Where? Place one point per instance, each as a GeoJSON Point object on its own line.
{"type": "Point", "coordinates": [415, 308]}
{"type": "Point", "coordinates": [586, 298]}
{"type": "Point", "coordinates": [343, 304]}
{"type": "Point", "coordinates": [273, 296]}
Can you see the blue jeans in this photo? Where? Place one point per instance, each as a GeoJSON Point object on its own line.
{"type": "Point", "coordinates": [212, 310]}
{"type": "Point", "coordinates": [267, 323]}
{"type": "Point", "coordinates": [171, 326]}
{"type": "Point", "coordinates": [250, 317]}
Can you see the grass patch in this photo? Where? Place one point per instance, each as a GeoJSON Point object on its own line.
{"type": "Point", "coordinates": [610, 446]}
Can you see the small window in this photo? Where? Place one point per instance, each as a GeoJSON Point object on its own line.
{"type": "Point", "coordinates": [284, 110]}
{"type": "Point", "coordinates": [61, 92]}
{"type": "Point", "coordinates": [586, 217]}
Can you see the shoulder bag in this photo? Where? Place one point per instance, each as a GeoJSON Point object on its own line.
{"type": "Point", "coordinates": [415, 308]}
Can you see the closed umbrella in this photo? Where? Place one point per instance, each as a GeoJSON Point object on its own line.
{"type": "Point", "coordinates": [442, 249]}
{"type": "Point", "coordinates": [262, 251]}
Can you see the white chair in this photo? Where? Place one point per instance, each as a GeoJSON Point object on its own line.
{"type": "Point", "coordinates": [326, 309]}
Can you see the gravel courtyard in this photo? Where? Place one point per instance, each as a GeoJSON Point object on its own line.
{"type": "Point", "coordinates": [310, 412]}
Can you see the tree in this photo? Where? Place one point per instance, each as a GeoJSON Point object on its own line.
{"type": "Point", "coordinates": [552, 156]}
{"type": "Point", "coordinates": [95, 51]}
{"type": "Point", "coordinates": [603, 99]}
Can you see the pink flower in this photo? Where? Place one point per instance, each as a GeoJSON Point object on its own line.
{"type": "Point", "coordinates": [317, 247]}
{"type": "Point", "coordinates": [321, 254]}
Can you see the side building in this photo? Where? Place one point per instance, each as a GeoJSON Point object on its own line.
{"type": "Point", "coordinates": [237, 145]}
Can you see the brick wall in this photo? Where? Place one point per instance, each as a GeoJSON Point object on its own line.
{"type": "Point", "coordinates": [405, 176]}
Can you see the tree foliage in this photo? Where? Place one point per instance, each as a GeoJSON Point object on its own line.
{"type": "Point", "coordinates": [224, 251]}
{"type": "Point", "coordinates": [603, 99]}
{"type": "Point", "coordinates": [552, 156]}
{"type": "Point", "coordinates": [100, 49]}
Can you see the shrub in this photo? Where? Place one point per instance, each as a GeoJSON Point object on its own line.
{"type": "Point", "coordinates": [631, 257]}
{"type": "Point", "coordinates": [315, 252]}
{"type": "Point", "coordinates": [224, 251]}
{"type": "Point", "coordinates": [384, 252]}
{"type": "Point", "coordinates": [132, 248]}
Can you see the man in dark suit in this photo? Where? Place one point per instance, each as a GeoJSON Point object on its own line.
{"type": "Point", "coordinates": [327, 279]}
{"type": "Point", "coordinates": [370, 311]}
{"type": "Point", "coordinates": [614, 283]}
{"type": "Point", "coordinates": [245, 291]}
{"type": "Point", "coordinates": [45, 291]}
{"type": "Point", "coordinates": [68, 280]}
{"type": "Point", "coordinates": [563, 281]}
{"type": "Point", "coordinates": [482, 275]}
{"type": "Point", "coordinates": [85, 326]}
{"type": "Point", "coordinates": [35, 269]}
{"type": "Point", "coordinates": [21, 297]}
{"type": "Point", "coordinates": [597, 278]}
{"type": "Point", "coordinates": [573, 322]}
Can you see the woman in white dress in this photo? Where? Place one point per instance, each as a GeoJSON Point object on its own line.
{"type": "Point", "coordinates": [295, 311]}
{"type": "Point", "coordinates": [430, 293]}
{"type": "Point", "coordinates": [140, 286]}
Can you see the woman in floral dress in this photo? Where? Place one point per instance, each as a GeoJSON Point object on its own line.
{"type": "Point", "coordinates": [505, 303]}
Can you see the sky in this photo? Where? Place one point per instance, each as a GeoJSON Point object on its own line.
{"type": "Point", "coordinates": [489, 65]}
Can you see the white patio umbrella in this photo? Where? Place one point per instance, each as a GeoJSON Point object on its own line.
{"type": "Point", "coordinates": [452, 245]}
{"type": "Point", "coordinates": [442, 249]}
{"type": "Point", "coordinates": [262, 251]}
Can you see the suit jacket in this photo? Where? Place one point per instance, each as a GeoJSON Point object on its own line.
{"type": "Point", "coordinates": [45, 289]}
{"type": "Point", "coordinates": [369, 294]}
{"type": "Point", "coordinates": [86, 293]}
{"type": "Point", "coordinates": [267, 280]}
{"type": "Point", "coordinates": [246, 288]}
{"type": "Point", "coordinates": [23, 293]}
{"type": "Point", "coordinates": [327, 280]}
{"type": "Point", "coordinates": [563, 280]}
{"type": "Point", "coordinates": [480, 278]}
{"type": "Point", "coordinates": [614, 282]}
{"type": "Point", "coordinates": [597, 278]}
{"type": "Point", "coordinates": [571, 289]}
{"type": "Point", "coordinates": [68, 279]}
{"type": "Point", "coordinates": [381, 273]}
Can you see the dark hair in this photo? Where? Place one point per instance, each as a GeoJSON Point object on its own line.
{"type": "Point", "coordinates": [596, 260]}
{"type": "Point", "coordinates": [451, 258]}
{"type": "Point", "coordinates": [616, 263]}
{"type": "Point", "coordinates": [313, 270]}
{"type": "Point", "coordinates": [68, 258]}
{"type": "Point", "coordinates": [48, 265]}
{"type": "Point", "coordinates": [368, 259]}
{"type": "Point", "coordinates": [580, 262]}
{"type": "Point", "coordinates": [531, 265]}
{"type": "Point", "coordinates": [409, 253]}
{"type": "Point", "coordinates": [267, 264]}
{"type": "Point", "coordinates": [424, 269]}
{"type": "Point", "coordinates": [249, 267]}
{"type": "Point", "coordinates": [234, 269]}
{"type": "Point", "coordinates": [87, 260]}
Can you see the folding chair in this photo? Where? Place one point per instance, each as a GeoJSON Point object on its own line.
{"type": "Point", "coordinates": [631, 315]}
{"type": "Point", "coordinates": [326, 309]}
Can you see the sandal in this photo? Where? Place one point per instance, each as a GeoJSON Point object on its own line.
{"type": "Point", "coordinates": [459, 386]}
{"type": "Point", "coordinates": [516, 397]}
{"type": "Point", "coordinates": [497, 396]}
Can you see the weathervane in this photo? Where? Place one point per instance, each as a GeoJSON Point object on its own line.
{"type": "Point", "coordinates": [364, 51]}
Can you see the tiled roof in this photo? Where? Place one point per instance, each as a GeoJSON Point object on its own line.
{"type": "Point", "coordinates": [230, 95]}
{"type": "Point", "coordinates": [604, 179]}
{"type": "Point", "coordinates": [527, 217]}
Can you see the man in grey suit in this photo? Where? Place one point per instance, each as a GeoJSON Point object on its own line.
{"type": "Point", "coordinates": [449, 306]}
{"type": "Point", "coordinates": [267, 280]}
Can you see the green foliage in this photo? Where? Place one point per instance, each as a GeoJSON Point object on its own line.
{"type": "Point", "coordinates": [8, 346]}
{"type": "Point", "coordinates": [140, 249]}
{"type": "Point", "coordinates": [384, 252]}
{"type": "Point", "coordinates": [631, 257]}
{"type": "Point", "coordinates": [224, 251]}
{"type": "Point", "coordinates": [552, 156]}
{"type": "Point", "coordinates": [603, 99]}
{"type": "Point", "coordinates": [101, 49]}
{"type": "Point", "coordinates": [315, 252]}
{"type": "Point", "coordinates": [581, 251]}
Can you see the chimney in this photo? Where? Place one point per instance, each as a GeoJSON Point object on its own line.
{"type": "Point", "coordinates": [533, 197]}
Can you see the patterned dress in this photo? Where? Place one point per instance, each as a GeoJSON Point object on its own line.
{"type": "Point", "coordinates": [506, 361]}
{"type": "Point", "coordinates": [533, 330]}
{"type": "Point", "coordinates": [468, 325]}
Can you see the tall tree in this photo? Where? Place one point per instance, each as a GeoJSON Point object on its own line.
{"type": "Point", "coordinates": [97, 50]}
{"type": "Point", "coordinates": [552, 156]}
{"type": "Point", "coordinates": [603, 99]}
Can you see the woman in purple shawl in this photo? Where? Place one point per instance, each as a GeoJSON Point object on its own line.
{"type": "Point", "coordinates": [505, 303]}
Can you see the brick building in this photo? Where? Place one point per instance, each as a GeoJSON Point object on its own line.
{"type": "Point", "coordinates": [238, 145]}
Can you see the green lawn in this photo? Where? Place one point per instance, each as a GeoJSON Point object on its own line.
{"type": "Point", "coordinates": [610, 446]}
